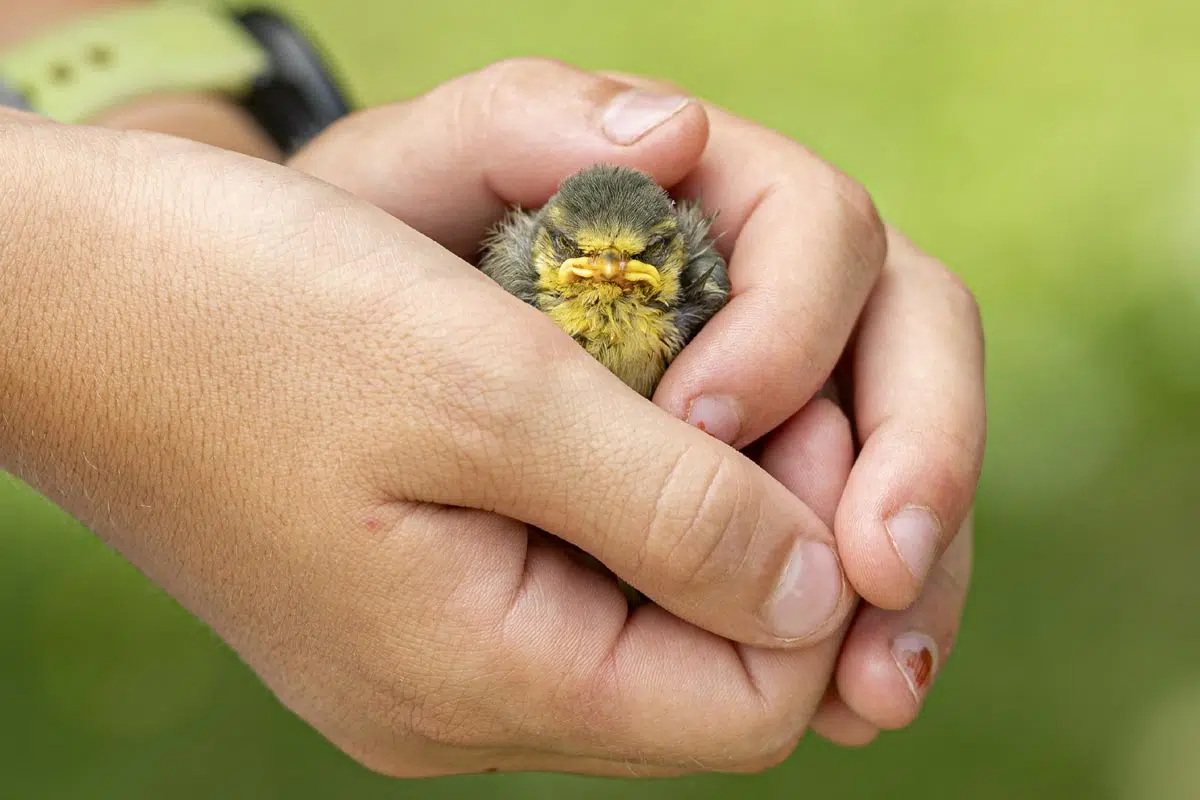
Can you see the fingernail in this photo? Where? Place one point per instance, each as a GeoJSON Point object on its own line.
{"type": "Point", "coordinates": [632, 114]}
{"type": "Point", "coordinates": [916, 656]}
{"type": "Point", "coordinates": [716, 416]}
{"type": "Point", "coordinates": [915, 534]}
{"type": "Point", "coordinates": [808, 593]}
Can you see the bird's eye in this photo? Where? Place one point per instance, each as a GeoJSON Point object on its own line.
{"type": "Point", "coordinates": [561, 242]}
{"type": "Point", "coordinates": [656, 243]}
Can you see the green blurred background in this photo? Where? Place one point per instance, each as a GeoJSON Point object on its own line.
{"type": "Point", "coordinates": [1048, 152]}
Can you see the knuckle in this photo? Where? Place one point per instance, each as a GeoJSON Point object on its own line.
{"type": "Point", "coordinates": [963, 300]}
{"type": "Point", "coordinates": [699, 535]}
{"type": "Point", "coordinates": [437, 720]}
{"type": "Point", "coordinates": [429, 716]}
{"type": "Point", "coordinates": [772, 740]}
{"type": "Point", "coordinates": [399, 728]}
{"type": "Point", "coordinates": [457, 716]}
{"type": "Point", "coordinates": [525, 65]}
{"type": "Point", "coordinates": [519, 67]}
{"type": "Point", "coordinates": [954, 475]}
{"type": "Point", "coordinates": [950, 287]}
{"type": "Point", "coordinates": [477, 98]}
{"type": "Point", "coordinates": [860, 225]}
{"type": "Point", "coordinates": [587, 699]}
{"type": "Point", "coordinates": [644, 82]}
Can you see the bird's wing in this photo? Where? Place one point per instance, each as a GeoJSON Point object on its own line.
{"type": "Point", "coordinates": [508, 255]}
{"type": "Point", "coordinates": [705, 280]}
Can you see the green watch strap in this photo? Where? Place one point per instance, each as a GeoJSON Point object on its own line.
{"type": "Point", "coordinates": [74, 72]}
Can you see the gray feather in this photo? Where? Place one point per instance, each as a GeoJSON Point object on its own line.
{"type": "Point", "coordinates": [508, 255]}
{"type": "Point", "coordinates": [705, 278]}
{"type": "Point", "coordinates": [613, 197]}
{"type": "Point", "coordinates": [616, 197]}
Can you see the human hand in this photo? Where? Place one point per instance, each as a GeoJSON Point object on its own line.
{"type": "Point", "coordinates": [905, 347]}
{"type": "Point", "coordinates": [901, 337]}
{"type": "Point", "coordinates": [824, 292]}
{"type": "Point", "coordinates": [298, 415]}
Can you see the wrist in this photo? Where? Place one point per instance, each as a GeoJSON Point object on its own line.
{"type": "Point", "coordinates": [208, 118]}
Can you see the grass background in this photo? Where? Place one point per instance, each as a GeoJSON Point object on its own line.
{"type": "Point", "coordinates": [1045, 150]}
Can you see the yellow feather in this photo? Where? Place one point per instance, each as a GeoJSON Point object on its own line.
{"type": "Point", "coordinates": [631, 339]}
{"type": "Point", "coordinates": [621, 241]}
{"type": "Point", "coordinates": [619, 326]}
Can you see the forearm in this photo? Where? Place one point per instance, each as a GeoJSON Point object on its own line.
{"type": "Point", "coordinates": [201, 117]}
{"type": "Point", "coordinates": [57, 316]}
{"type": "Point", "coordinates": [112, 256]}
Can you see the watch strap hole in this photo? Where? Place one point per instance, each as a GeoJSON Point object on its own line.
{"type": "Point", "coordinates": [101, 56]}
{"type": "Point", "coordinates": [61, 73]}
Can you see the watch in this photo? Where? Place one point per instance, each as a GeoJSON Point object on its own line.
{"type": "Point", "coordinates": [73, 72]}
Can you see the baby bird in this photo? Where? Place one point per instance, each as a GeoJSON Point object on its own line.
{"type": "Point", "coordinates": [618, 265]}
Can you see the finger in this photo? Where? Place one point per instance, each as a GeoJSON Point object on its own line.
{"type": "Point", "coordinates": [551, 662]}
{"type": "Point", "coordinates": [506, 669]}
{"type": "Point", "coordinates": [919, 402]}
{"type": "Point", "coordinates": [805, 247]}
{"type": "Point", "coordinates": [812, 455]}
{"type": "Point", "coordinates": [670, 509]}
{"type": "Point", "coordinates": [665, 693]}
{"type": "Point", "coordinates": [836, 722]}
{"type": "Point", "coordinates": [755, 717]}
{"type": "Point", "coordinates": [560, 443]}
{"type": "Point", "coordinates": [891, 658]}
{"type": "Point", "coordinates": [451, 161]}
{"type": "Point", "coordinates": [923, 441]}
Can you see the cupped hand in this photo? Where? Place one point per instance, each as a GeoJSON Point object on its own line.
{"type": "Point", "coordinates": [321, 431]}
{"type": "Point", "coordinates": [825, 295]}
{"type": "Point", "coordinates": [852, 305]}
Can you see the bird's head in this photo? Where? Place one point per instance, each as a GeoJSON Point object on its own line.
{"type": "Point", "coordinates": [610, 231]}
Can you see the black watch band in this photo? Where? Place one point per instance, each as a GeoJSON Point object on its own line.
{"type": "Point", "coordinates": [256, 58]}
{"type": "Point", "coordinates": [299, 96]}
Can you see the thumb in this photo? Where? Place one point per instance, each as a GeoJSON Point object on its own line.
{"type": "Point", "coordinates": [546, 435]}
{"type": "Point", "coordinates": [692, 523]}
{"type": "Point", "coordinates": [449, 162]}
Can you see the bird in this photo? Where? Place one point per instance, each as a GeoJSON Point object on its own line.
{"type": "Point", "coordinates": [627, 271]}
{"type": "Point", "coordinates": [631, 274]}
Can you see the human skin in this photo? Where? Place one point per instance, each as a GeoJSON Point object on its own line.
{"type": "Point", "coordinates": [870, 691]}
{"type": "Point", "coordinates": [265, 404]}
{"type": "Point", "coordinates": [913, 365]}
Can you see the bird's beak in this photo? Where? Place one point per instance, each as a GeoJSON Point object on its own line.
{"type": "Point", "coordinates": [608, 265]}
